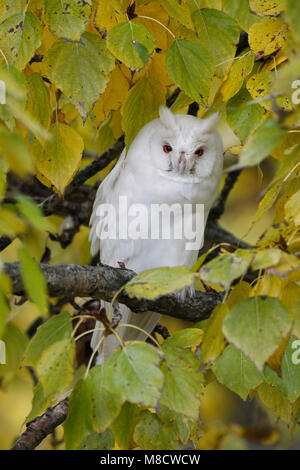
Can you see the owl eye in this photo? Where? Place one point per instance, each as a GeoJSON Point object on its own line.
{"type": "Point", "coordinates": [199, 152]}
{"type": "Point", "coordinates": [167, 148]}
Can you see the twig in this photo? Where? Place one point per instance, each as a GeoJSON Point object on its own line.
{"type": "Point", "coordinates": [218, 210]}
{"type": "Point", "coordinates": [42, 426]}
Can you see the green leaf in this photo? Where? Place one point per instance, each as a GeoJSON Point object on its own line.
{"type": "Point", "coordinates": [4, 311]}
{"type": "Point", "coordinates": [134, 373]}
{"type": "Point", "coordinates": [213, 339]}
{"type": "Point", "coordinates": [191, 67]}
{"type": "Point", "coordinates": [16, 94]}
{"type": "Point", "coordinates": [141, 106]}
{"type": "Point", "coordinates": [239, 70]}
{"type": "Point", "coordinates": [292, 16]}
{"type": "Point", "coordinates": [179, 10]}
{"type": "Point", "coordinates": [39, 101]}
{"type": "Point", "coordinates": [55, 330]}
{"type": "Point", "coordinates": [55, 367]}
{"type": "Point", "coordinates": [257, 326]}
{"type": "Point", "coordinates": [244, 118]}
{"type": "Point", "coordinates": [187, 338]}
{"type": "Point", "coordinates": [160, 281]}
{"type": "Point", "coordinates": [123, 427]}
{"type": "Point", "coordinates": [16, 153]}
{"type": "Point", "coordinates": [151, 433]}
{"type": "Point", "coordinates": [266, 258]}
{"type": "Point", "coordinates": [240, 11]}
{"type": "Point", "coordinates": [80, 70]}
{"type": "Point", "coordinates": [32, 212]}
{"type": "Point", "coordinates": [67, 18]}
{"type": "Point", "coordinates": [220, 34]}
{"type": "Point", "coordinates": [16, 341]}
{"type": "Point", "coordinates": [226, 268]}
{"type": "Point", "coordinates": [59, 161]}
{"type": "Point", "coordinates": [97, 441]}
{"type": "Point", "coordinates": [92, 408]}
{"type": "Point", "coordinates": [183, 382]}
{"type": "Point", "coordinates": [38, 403]}
{"type": "Point", "coordinates": [260, 144]}
{"type": "Point", "coordinates": [33, 280]}
{"type": "Point", "coordinates": [132, 43]}
{"type": "Point", "coordinates": [275, 401]}
{"type": "Point", "coordinates": [20, 36]}
{"type": "Point", "coordinates": [10, 7]}
{"type": "Point", "coordinates": [234, 370]}
{"type": "Point", "coordinates": [291, 371]}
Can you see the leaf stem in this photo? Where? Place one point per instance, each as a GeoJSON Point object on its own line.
{"type": "Point", "coordinates": [158, 22]}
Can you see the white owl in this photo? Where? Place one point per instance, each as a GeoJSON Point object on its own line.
{"type": "Point", "coordinates": [174, 159]}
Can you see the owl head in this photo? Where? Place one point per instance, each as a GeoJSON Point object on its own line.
{"type": "Point", "coordinates": [179, 146]}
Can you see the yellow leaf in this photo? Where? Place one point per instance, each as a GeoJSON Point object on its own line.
{"type": "Point", "coordinates": [213, 339]}
{"type": "Point", "coordinates": [260, 85]}
{"type": "Point", "coordinates": [60, 160]}
{"type": "Point", "coordinates": [267, 7]}
{"type": "Point", "coordinates": [292, 209]}
{"type": "Point", "coordinates": [108, 14]}
{"type": "Point", "coordinates": [267, 36]}
{"type": "Point", "coordinates": [275, 401]}
{"type": "Point", "coordinates": [239, 70]}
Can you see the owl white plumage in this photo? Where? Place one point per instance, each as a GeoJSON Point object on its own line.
{"type": "Point", "coordinates": [174, 159]}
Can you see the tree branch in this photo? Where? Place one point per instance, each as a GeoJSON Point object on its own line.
{"type": "Point", "coordinates": [104, 281]}
{"type": "Point", "coordinates": [41, 426]}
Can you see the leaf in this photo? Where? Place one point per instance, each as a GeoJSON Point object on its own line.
{"type": "Point", "coordinates": [33, 213]}
{"type": "Point", "coordinates": [187, 338]}
{"type": "Point", "coordinates": [39, 102]}
{"type": "Point", "coordinates": [59, 161]}
{"type": "Point", "coordinates": [290, 371]}
{"type": "Point", "coordinates": [240, 11]}
{"type": "Point", "coordinates": [124, 425]}
{"type": "Point", "coordinates": [267, 36]}
{"type": "Point", "coordinates": [33, 280]}
{"type": "Point", "coordinates": [260, 85]}
{"type": "Point", "coordinates": [141, 106]}
{"type": "Point", "coordinates": [54, 330]}
{"type": "Point", "coordinates": [275, 401]}
{"type": "Point", "coordinates": [178, 9]}
{"type": "Point", "coordinates": [159, 281]}
{"type": "Point", "coordinates": [153, 434]}
{"type": "Point", "coordinates": [219, 34]}
{"type": "Point", "coordinates": [55, 367]}
{"type": "Point", "coordinates": [226, 268]}
{"type": "Point", "coordinates": [257, 327]}
{"type": "Point", "coordinates": [191, 68]}
{"type": "Point", "coordinates": [133, 372]}
{"type": "Point", "coordinates": [260, 144]}
{"type": "Point", "coordinates": [4, 311]}
{"type": "Point", "coordinates": [267, 7]}
{"type": "Point", "coordinates": [10, 7]}
{"type": "Point", "coordinates": [213, 339]}
{"type": "Point", "coordinates": [80, 70]}
{"type": "Point", "coordinates": [293, 17]}
{"type": "Point", "coordinates": [132, 43]}
{"type": "Point", "coordinates": [15, 341]}
{"type": "Point", "coordinates": [266, 258]}
{"type": "Point", "coordinates": [97, 441]}
{"type": "Point", "coordinates": [16, 94]}
{"type": "Point", "coordinates": [20, 36]}
{"type": "Point", "coordinates": [108, 15]}
{"type": "Point", "coordinates": [234, 370]}
{"type": "Point", "coordinates": [268, 200]}
{"type": "Point", "coordinates": [15, 151]}
{"type": "Point", "coordinates": [239, 70]}
{"type": "Point", "coordinates": [183, 385]}
{"type": "Point", "coordinates": [242, 116]}
{"type": "Point", "coordinates": [67, 18]}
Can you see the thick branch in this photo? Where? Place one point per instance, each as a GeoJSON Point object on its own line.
{"type": "Point", "coordinates": [104, 281]}
{"type": "Point", "coordinates": [43, 425]}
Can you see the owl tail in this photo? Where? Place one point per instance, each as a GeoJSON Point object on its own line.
{"type": "Point", "coordinates": [146, 321]}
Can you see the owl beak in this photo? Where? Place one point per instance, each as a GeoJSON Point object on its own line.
{"type": "Point", "coordinates": [182, 163]}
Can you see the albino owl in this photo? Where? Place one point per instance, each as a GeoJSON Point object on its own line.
{"type": "Point", "coordinates": [176, 159]}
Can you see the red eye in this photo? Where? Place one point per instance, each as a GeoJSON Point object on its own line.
{"type": "Point", "coordinates": [199, 152]}
{"type": "Point", "coordinates": [167, 148]}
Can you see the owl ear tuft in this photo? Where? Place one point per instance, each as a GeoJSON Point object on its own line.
{"type": "Point", "coordinates": [210, 123]}
{"type": "Point", "coordinates": [167, 118]}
